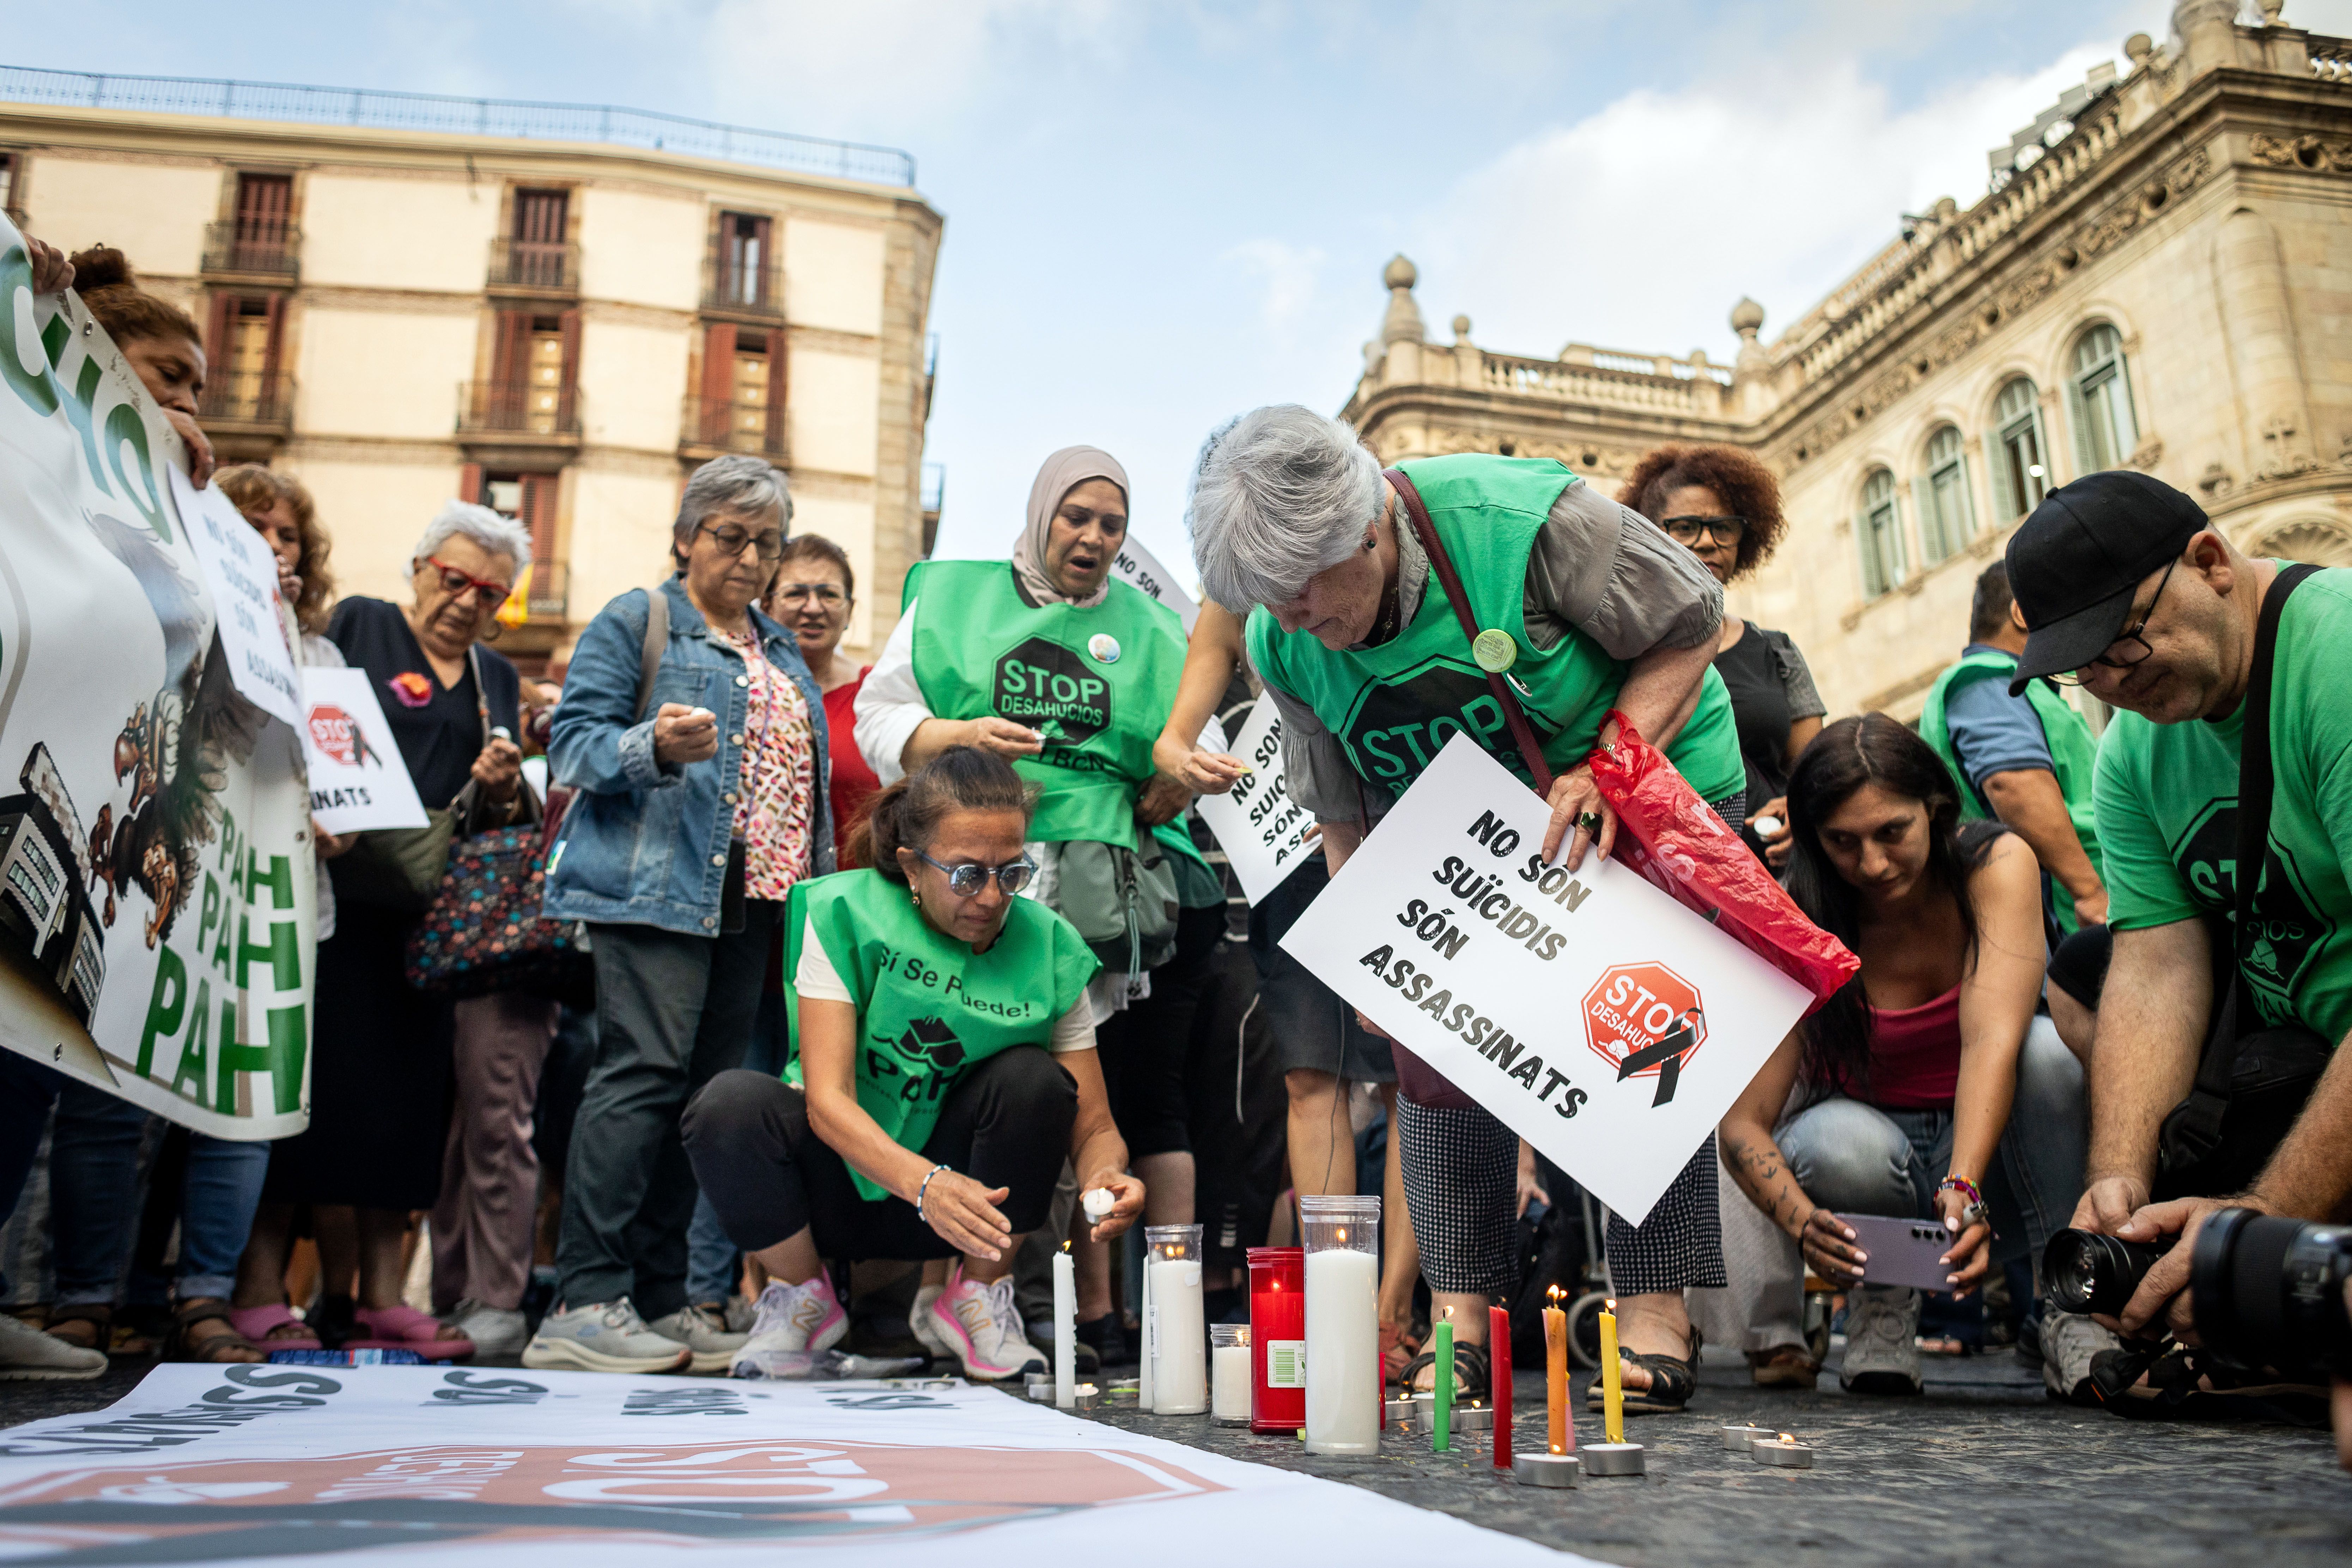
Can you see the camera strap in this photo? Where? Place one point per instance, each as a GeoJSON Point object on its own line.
{"type": "Point", "coordinates": [2195, 1127]}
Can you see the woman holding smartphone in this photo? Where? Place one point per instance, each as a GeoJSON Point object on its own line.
{"type": "Point", "coordinates": [1927, 1088]}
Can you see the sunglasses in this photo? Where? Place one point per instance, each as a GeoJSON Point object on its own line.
{"type": "Point", "coordinates": [769, 542]}
{"type": "Point", "coordinates": [458, 584]}
{"type": "Point", "coordinates": [1687, 529]}
{"type": "Point", "coordinates": [965, 880]}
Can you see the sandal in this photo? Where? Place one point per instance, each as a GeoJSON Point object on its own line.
{"type": "Point", "coordinates": [267, 1326]}
{"type": "Point", "coordinates": [99, 1316]}
{"type": "Point", "coordinates": [1473, 1375]}
{"type": "Point", "coordinates": [403, 1328]}
{"type": "Point", "coordinates": [1398, 1347]}
{"type": "Point", "coordinates": [226, 1349]}
{"type": "Point", "coordinates": [1673, 1381]}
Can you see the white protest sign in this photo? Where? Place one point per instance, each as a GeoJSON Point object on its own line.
{"type": "Point", "coordinates": [1139, 568]}
{"type": "Point", "coordinates": [1261, 829]}
{"type": "Point", "coordinates": [1598, 1018]}
{"type": "Point", "coordinates": [243, 576]}
{"type": "Point", "coordinates": [357, 778]}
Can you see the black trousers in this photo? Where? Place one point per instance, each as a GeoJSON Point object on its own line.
{"type": "Point", "coordinates": [1006, 1123]}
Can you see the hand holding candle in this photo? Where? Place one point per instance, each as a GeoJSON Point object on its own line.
{"type": "Point", "coordinates": [1119, 1195]}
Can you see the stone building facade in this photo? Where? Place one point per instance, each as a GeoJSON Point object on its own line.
{"type": "Point", "coordinates": [2160, 278]}
{"type": "Point", "coordinates": [557, 311]}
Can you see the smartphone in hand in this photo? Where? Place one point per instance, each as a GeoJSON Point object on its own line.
{"type": "Point", "coordinates": [1903, 1251]}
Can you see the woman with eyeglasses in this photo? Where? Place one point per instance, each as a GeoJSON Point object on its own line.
{"type": "Point", "coordinates": [1724, 507]}
{"type": "Point", "coordinates": [944, 1068]}
{"type": "Point", "coordinates": [814, 591]}
{"type": "Point", "coordinates": [700, 802]}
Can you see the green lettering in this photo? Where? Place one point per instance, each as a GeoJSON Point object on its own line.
{"type": "Point", "coordinates": [76, 406]}
{"type": "Point", "coordinates": [196, 1058]}
{"type": "Point", "coordinates": [124, 427]}
{"type": "Point", "coordinates": [208, 909]}
{"type": "Point", "coordinates": [165, 1005]}
{"type": "Point", "coordinates": [281, 1059]}
{"type": "Point", "coordinates": [36, 385]}
{"type": "Point", "coordinates": [279, 880]}
{"type": "Point", "coordinates": [284, 957]}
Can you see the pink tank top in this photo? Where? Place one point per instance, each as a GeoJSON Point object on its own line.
{"type": "Point", "coordinates": [1915, 1054]}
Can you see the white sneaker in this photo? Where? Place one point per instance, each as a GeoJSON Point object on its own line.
{"type": "Point", "coordinates": [704, 1332]}
{"type": "Point", "coordinates": [495, 1331]}
{"type": "Point", "coordinates": [742, 1315]}
{"type": "Point", "coordinates": [919, 1321]}
{"type": "Point", "coordinates": [29, 1355]}
{"type": "Point", "coordinates": [604, 1336]}
{"type": "Point", "coordinates": [2068, 1344]}
{"type": "Point", "coordinates": [792, 1323]}
{"type": "Point", "coordinates": [982, 1329]}
{"type": "Point", "coordinates": [1882, 1341]}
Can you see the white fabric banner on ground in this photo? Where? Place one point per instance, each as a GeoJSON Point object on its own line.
{"type": "Point", "coordinates": [357, 778]}
{"type": "Point", "coordinates": [1601, 1020]}
{"type": "Point", "coordinates": [243, 576]}
{"type": "Point", "coordinates": [1139, 568]}
{"type": "Point", "coordinates": [157, 891]}
{"type": "Point", "coordinates": [512, 1470]}
{"type": "Point", "coordinates": [1261, 829]}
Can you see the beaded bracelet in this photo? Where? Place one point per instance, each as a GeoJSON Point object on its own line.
{"type": "Point", "coordinates": [1963, 1186]}
{"type": "Point", "coordinates": [925, 1188]}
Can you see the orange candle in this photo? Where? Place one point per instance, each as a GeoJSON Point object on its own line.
{"type": "Point", "coordinates": [1555, 1322]}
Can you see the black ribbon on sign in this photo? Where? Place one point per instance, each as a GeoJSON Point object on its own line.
{"type": "Point", "coordinates": [1667, 1056]}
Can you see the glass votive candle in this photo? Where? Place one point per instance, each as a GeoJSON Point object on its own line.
{"type": "Point", "coordinates": [1229, 1373]}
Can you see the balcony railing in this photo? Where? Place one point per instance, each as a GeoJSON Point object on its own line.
{"type": "Point", "coordinates": [755, 427]}
{"type": "Point", "coordinates": [745, 290]}
{"type": "Point", "coordinates": [252, 402]}
{"type": "Point", "coordinates": [517, 408]}
{"type": "Point", "coordinates": [270, 252]}
{"type": "Point", "coordinates": [545, 267]}
{"type": "Point", "coordinates": [550, 593]}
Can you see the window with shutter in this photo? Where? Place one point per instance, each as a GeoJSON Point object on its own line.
{"type": "Point", "coordinates": [1947, 513]}
{"type": "Point", "coordinates": [2024, 477]}
{"type": "Point", "coordinates": [2106, 430]}
{"type": "Point", "coordinates": [536, 247]}
{"type": "Point", "coordinates": [1879, 533]}
{"type": "Point", "coordinates": [744, 260]}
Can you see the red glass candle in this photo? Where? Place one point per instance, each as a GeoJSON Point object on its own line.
{"type": "Point", "coordinates": [1277, 1277]}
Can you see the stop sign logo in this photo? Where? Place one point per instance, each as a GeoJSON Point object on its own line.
{"type": "Point", "coordinates": [334, 734]}
{"type": "Point", "coordinates": [1645, 1021]}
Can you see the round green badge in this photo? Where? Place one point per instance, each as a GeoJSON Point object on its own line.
{"type": "Point", "coordinates": [1494, 650]}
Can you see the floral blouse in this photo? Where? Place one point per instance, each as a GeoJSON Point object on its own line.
{"type": "Point", "coordinates": [776, 796]}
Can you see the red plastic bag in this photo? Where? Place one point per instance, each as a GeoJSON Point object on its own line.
{"type": "Point", "coordinates": [1674, 840]}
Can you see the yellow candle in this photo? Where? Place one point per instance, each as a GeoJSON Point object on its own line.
{"type": "Point", "coordinates": [1612, 1390]}
{"type": "Point", "coordinates": [1555, 1323]}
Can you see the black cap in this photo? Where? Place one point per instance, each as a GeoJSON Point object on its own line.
{"type": "Point", "coordinates": [2074, 564]}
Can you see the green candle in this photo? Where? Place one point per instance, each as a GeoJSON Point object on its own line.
{"type": "Point", "coordinates": [1442, 1387]}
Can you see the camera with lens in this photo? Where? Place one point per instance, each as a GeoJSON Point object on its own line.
{"type": "Point", "coordinates": [2086, 1272]}
{"type": "Point", "coordinates": [2269, 1292]}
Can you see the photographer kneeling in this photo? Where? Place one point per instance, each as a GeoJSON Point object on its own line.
{"type": "Point", "coordinates": [946, 1055]}
{"type": "Point", "coordinates": [2126, 588]}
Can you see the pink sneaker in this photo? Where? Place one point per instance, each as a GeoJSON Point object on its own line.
{"type": "Point", "coordinates": [791, 1325]}
{"type": "Point", "coordinates": [983, 1330]}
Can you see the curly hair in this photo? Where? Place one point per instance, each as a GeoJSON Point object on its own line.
{"type": "Point", "coordinates": [254, 489]}
{"type": "Point", "coordinates": [103, 278]}
{"type": "Point", "coordinates": [1744, 485]}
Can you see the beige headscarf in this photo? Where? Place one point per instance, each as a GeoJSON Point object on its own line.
{"type": "Point", "coordinates": [1062, 472]}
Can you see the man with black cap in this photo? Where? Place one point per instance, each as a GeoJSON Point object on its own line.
{"type": "Point", "coordinates": [2127, 589]}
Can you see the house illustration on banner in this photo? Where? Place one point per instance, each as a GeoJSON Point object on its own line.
{"type": "Point", "coordinates": [45, 907]}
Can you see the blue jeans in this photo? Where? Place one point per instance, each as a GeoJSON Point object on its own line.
{"type": "Point", "coordinates": [1852, 1158]}
{"type": "Point", "coordinates": [94, 1201]}
{"type": "Point", "coordinates": [26, 1091]}
{"type": "Point", "coordinates": [711, 1259]}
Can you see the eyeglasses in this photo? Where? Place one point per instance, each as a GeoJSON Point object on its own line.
{"type": "Point", "coordinates": [1687, 529]}
{"type": "Point", "coordinates": [965, 880]}
{"type": "Point", "coordinates": [458, 584]}
{"type": "Point", "coordinates": [824, 593]}
{"type": "Point", "coordinates": [2119, 654]}
{"type": "Point", "coordinates": [769, 542]}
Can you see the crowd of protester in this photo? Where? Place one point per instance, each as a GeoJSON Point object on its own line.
{"type": "Point", "coordinates": [905, 977]}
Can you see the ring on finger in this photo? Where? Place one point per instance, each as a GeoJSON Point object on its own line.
{"type": "Point", "coordinates": [1589, 820]}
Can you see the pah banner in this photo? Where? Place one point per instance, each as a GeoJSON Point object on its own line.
{"type": "Point", "coordinates": [1595, 1015]}
{"type": "Point", "coordinates": [157, 888]}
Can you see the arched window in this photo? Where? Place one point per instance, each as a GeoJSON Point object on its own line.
{"type": "Point", "coordinates": [1947, 514]}
{"type": "Point", "coordinates": [2021, 469]}
{"type": "Point", "coordinates": [2106, 431]}
{"type": "Point", "coordinates": [1879, 530]}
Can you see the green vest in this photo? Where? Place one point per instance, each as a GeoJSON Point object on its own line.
{"type": "Point", "coordinates": [929, 1007]}
{"type": "Point", "coordinates": [2073, 751]}
{"type": "Point", "coordinates": [1099, 683]}
{"type": "Point", "coordinates": [1393, 707]}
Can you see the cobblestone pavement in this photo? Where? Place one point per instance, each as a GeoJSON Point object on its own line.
{"type": "Point", "coordinates": [1982, 1470]}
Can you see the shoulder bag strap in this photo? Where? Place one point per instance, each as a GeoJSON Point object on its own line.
{"type": "Point", "coordinates": [2255, 789]}
{"type": "Point", "coordinates": [656, 644]}
{"type": "Point", "coordinates": [1443, 564]}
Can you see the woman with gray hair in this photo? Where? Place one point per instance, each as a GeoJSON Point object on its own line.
{"type": "Point", "coordinates": [1589, 607]}
{"type": "Point", "coordinates": [383, 1078]}
{"type": "Point", "coordinates": [702, 801]}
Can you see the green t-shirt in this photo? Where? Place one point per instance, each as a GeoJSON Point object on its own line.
{"type": "Point", "coordinates": [2167, 799]}
{"type": "Point", "coordinates": [929, 1007]}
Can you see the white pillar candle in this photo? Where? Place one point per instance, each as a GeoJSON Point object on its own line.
{"type": "Point", "coordinates": [1230, 1399]}
{"type": "Point", "coordinates": [1343, 1353]}
{"type": "Point", "coordinates": [1066, 1330]}
{"type": "Point", "coordinates": [1180, 1373]}
{"type": "Point", "coordinates": [1143, 1382]}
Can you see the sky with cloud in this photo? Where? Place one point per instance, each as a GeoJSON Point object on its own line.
{"type": "Point", "coordinates": [1160, 214]}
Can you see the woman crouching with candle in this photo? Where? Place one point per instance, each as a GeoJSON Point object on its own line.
{"type": "Point", "coordinates": [1929, 1088]}
{"type": "Point", "coordinates": [943, 1068]}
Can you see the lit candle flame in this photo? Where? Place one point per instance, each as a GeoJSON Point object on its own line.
{"type": "Point", "coordinates": [1342, 1233]}
{"type": "Point", "coordinates": [1786, 1438]}
{"type": "Point", "coordinates": [1609, 1305]}
{"type": "Point", "coordinates": [1554, 1294]}
{"type": "Point", "coordinates": [1066, 1247]}
{"type": "Point", "coordinates": [1449, 1312]}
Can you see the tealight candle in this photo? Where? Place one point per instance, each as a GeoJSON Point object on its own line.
{"type": "Point", "coordinates": [1783, 1452]}
{"type": "Point", "coordinates": [1400, 1414]}
{"type": "Point", "coordinates": [1546, 1470]}
{"type": "Point", "coordinates": [1737, 1438]}
{"type": "Point", "coordinates": [1612, 1458]}
{"type": "Point", "coordinates": [1085, 1396]}
{"type": "Point", "coordinates": [1097, 1202]}
{"type": "Point", "coordinates": [1472, 1418]}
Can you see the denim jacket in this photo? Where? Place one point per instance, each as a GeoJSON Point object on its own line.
{"type": "Point", "coordinates": [644, 842]}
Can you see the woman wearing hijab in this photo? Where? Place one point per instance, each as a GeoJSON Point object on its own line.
{"type": "Point", "coordinates": [1045, 661]}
